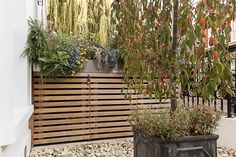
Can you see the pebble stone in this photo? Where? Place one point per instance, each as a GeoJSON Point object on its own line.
{"type": "Point", "coordinates": [111, 148]}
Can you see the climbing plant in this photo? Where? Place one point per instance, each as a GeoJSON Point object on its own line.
{"type": "Point", "coordinates": [146, 38]}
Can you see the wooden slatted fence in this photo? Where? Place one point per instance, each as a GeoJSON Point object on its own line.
{"type": "Point", "coordinates": [88, 106]}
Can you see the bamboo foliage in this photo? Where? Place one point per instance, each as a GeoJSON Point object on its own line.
{"type": "Point", "coordinates": [105, 22]}
{"type": "Point", "coordinates": [86, 18]}
{"type": "Point", "coordinates": [83, 15]}
{"type": "Point", "coordinates": [95, 12]}
{"type": "Point", "coordinates": [52, 12]}
{"type": "Point", "coordinates": [64, 19]}
{"type": "Point", "coordinates": [75, 13]}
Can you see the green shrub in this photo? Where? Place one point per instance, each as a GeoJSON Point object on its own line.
{"type": "Point", "coordinates": [179, 123]}
{"type": "Point", "coordinates": [55, 53]}
{"type": "Point", "coordinates": [36, 45]}
{"type": "Point", "coordinates": [64, 56]}
{"type": "Point", "coordinates": [203, 120]}
{"type": "Point", "coordinates": [161, 124]}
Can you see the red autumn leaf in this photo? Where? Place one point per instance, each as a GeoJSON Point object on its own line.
{"type": "Point", "coordinates": [202, 21]}
{"type": "Point", "coordinates": [181, 29]}
{"type": "Point", "coordinates": [216, 55]}
{"type": "Point", "coordinates": [200, 52]}
{"type": "Point", "coordinates": [212, 41]}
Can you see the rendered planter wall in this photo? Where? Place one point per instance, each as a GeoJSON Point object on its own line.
{"type": "Point", "coordinates": [93, 66]}
{"type": "Point", "coordinates": [192, 146]}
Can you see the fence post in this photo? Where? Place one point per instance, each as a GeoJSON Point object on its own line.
{"type": "Point", "coordinates": [229, 106]}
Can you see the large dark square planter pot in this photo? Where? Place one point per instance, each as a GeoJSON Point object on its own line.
{"type": "Point", "coordinates": [189, 146]}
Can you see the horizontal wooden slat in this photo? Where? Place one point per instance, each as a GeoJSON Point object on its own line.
{"type": "Point", "coordinates": [80, 126]}
{"type": "Point", "coordinates": [85, 97]}
{"type": "Point", "coordinates": [78, 80]}
{"type": "Point", "coordinates": [101, 102]}
{"type": "Point", "coordinates": [81, 132]}
{"type": "Point", "coordinates": [76, 86]}
{"type": "Point", "coordinates": [79, 120]}
{"type": "Point", "coordinates": [74, 115]}
{"type": "Point", "coordinates": [81, 138]}
{"type": "Point", "coordinates": [94, 108]}
{"type": "Point", "coordinates": [105, 75]}
{"type": "Point", "coordinates": [67, 92]}
{"type": "Point", "coordinates": [86, 114]}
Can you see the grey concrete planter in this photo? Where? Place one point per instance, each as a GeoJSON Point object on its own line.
{"type": "Point", "coordinates": [117, 69]}
{"type": "Point", "coordinates": [189, 146]}
{"type": "Point", "coordinates": [92, 66]}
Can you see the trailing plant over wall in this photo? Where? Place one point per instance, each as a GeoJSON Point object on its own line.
{"type": "Point", "coordinates": [55, 53]}
{"type": "Point", "coordinates": [36, 45]}
{"type": "Point", "coordinates": [145, 36]}
{"type": "Point", "coordinates": [89, 19]}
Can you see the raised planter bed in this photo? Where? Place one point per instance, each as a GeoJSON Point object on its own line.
{"type": "Point", "coordinates": [92, 66]}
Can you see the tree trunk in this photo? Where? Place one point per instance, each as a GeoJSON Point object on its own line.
{"type": "Point", "coordinates": [174, 50]}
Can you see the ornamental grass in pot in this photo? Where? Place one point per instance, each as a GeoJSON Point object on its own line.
{"type": "Point", "coordinates": [184, 132]}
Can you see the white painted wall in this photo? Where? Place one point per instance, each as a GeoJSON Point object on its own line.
{"type": "Point", "coordinates": [15, 78]}
{"type": "Point", "coordinates": [5, 66]}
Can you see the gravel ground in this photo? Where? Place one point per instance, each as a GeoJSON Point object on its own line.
{"type": "Point", "coordinates": [112, 148]}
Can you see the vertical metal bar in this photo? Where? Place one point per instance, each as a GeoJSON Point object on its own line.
{"type": "Point", "coordinates": [188, 99]}
{"type": "Point", "coordinates": [215, 104]}
{"type": "Point", "coordinates": [221, 104]}
{"type": "Point", "coordinates": [229, 105]}
{"type": "Point", "coordinates": [197, 99]}
{"type": "Point", "coordinates": [192, 100]}
{"type": "Point", "coordinates": [184, 99]}
{"type": "Point", "coordinates": [234, 73]}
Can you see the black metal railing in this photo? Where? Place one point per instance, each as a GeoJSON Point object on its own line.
{"type": "Point", "coordinates": [226, 104]}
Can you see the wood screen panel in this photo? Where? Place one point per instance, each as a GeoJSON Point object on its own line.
{"type": "Point", "coordinates": [88, 106]}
